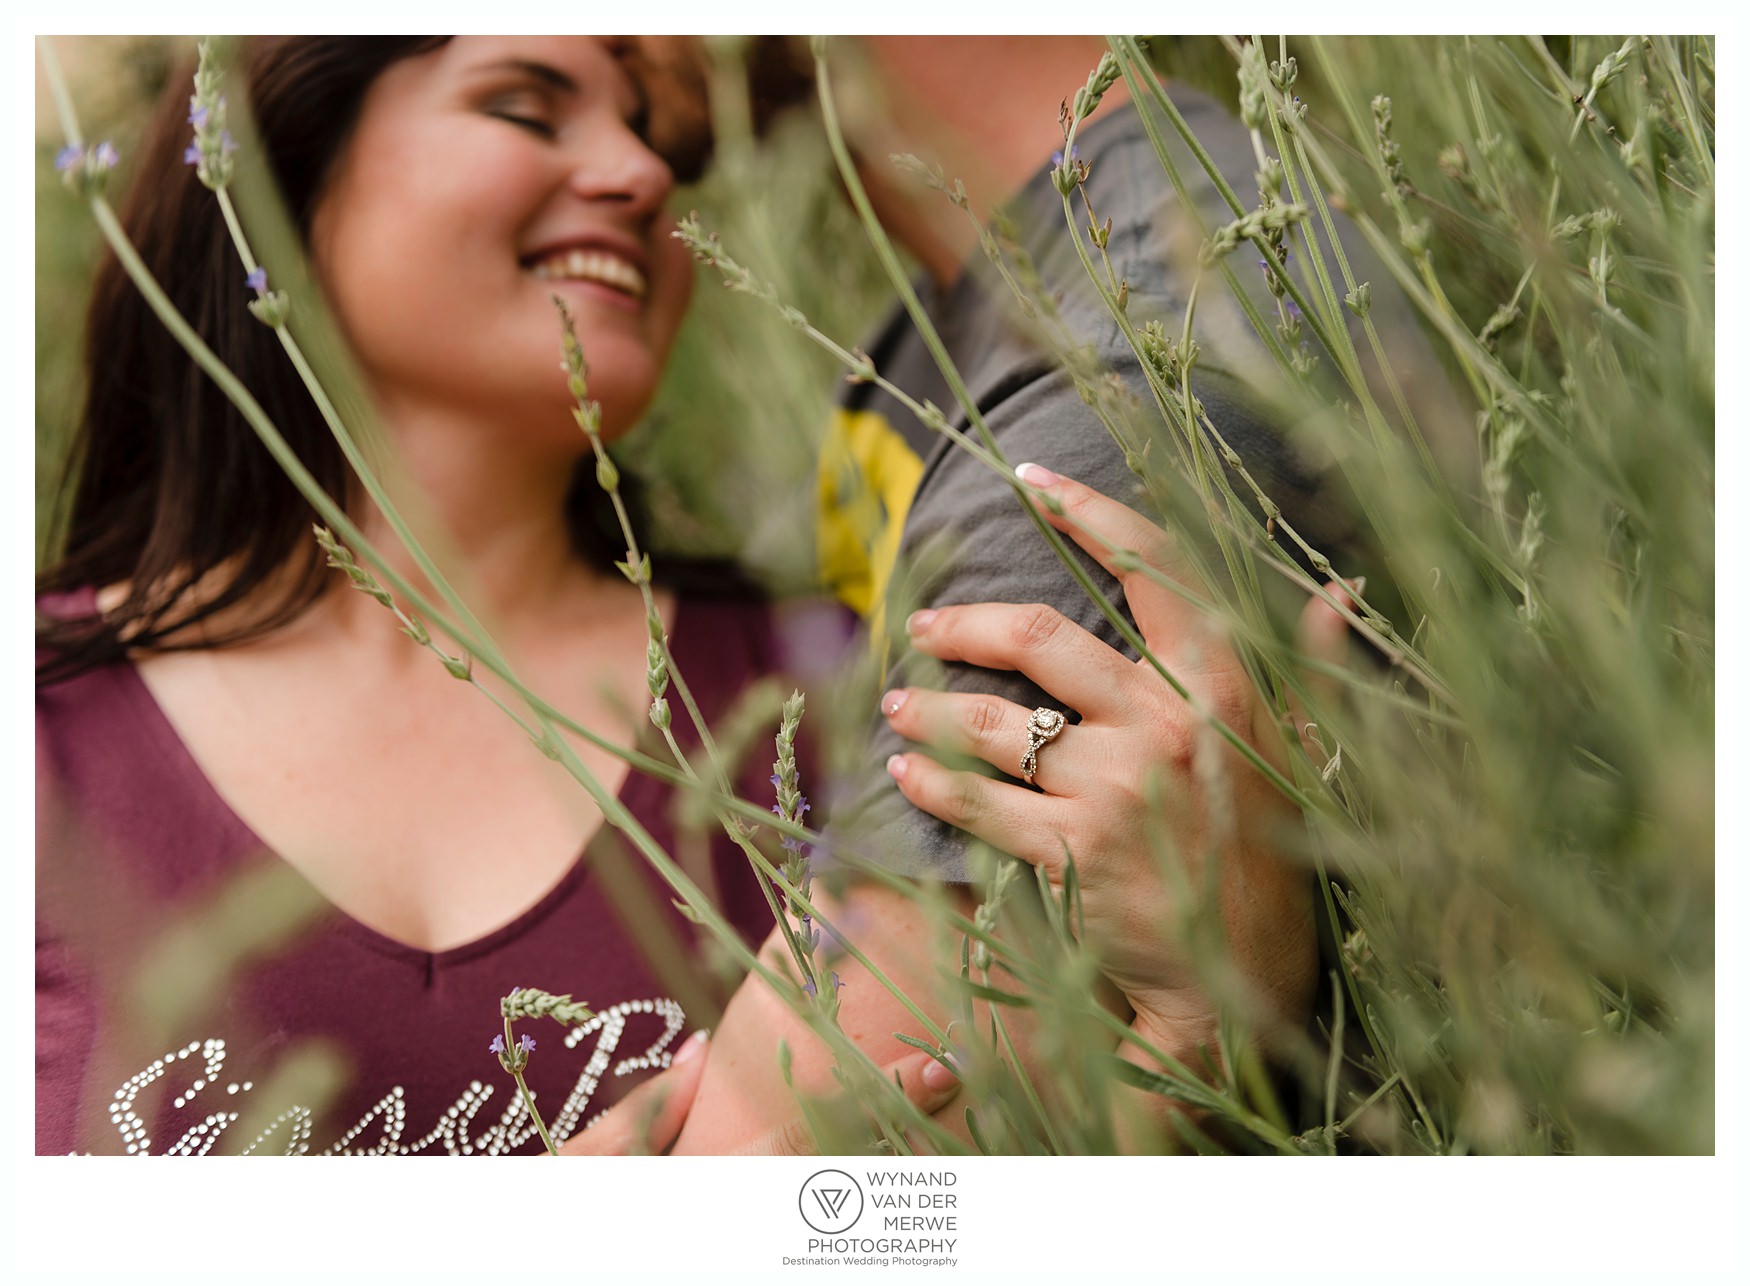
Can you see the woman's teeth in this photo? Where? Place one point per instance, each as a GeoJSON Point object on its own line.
{"type": "Point", "coordinates": [592, 265]}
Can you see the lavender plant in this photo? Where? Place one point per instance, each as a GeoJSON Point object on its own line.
{"type": "Point", "coordinates": [513, 1051]}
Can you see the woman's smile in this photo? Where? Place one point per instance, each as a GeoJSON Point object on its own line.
{"type": "Point", "coordinates": [618, 275]}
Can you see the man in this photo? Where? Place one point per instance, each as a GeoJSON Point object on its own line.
{"type": "Point", "coordinates": [985, 111]}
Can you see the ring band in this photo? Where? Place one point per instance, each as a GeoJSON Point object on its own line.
{"type": "Point", "coordinates": [1042, 725]}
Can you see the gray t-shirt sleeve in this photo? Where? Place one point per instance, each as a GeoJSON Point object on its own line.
{"type": "Point", "coordinates": [968, 539]}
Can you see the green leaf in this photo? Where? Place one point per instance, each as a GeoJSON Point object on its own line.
{"type": "Point", "coordinates": [997, 997]}
{"type": "Point", "coordinates": [977, 1134]}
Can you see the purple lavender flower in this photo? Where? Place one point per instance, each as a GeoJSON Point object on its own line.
{"type": "Point", "coordinates": [197, 115]}
{"type": "Point", "coordinates": [837, 982]}
{"type": "Point", "coordinates": [775, 780]}
{"type": "Point", "coordinates": [1074, 153]}
{"type": "Point", "coordinates": [809, 988]}
{"type": "Point", "coordinates": [191, 155]}
{"type": "Point", "coordinates": [526, 1043]}
{"type": "Point", "coordinates": [68, 157]}
{"type": "Point", "coordinates": [104, 155]}
{"type": "Point", "coordinates": [227, 144]}
{"type": "Point", "coordinates": [257, 281]}
{"type": "Point", "coordinates": [497, 1045]}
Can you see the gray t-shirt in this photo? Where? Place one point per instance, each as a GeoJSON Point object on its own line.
{"type": "Point", "coordinates": [966, 537]}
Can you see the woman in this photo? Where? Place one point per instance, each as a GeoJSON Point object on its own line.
{"type": "Point", "coordinates": [223, 724]}
{"type": "Point", "coordinates": [228, 738]}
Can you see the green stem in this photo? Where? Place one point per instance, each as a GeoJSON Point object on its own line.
{"type": "Point", "coordinates": [528, 1098]}
{"type": "Point", "coordinates": [481, 640]}
{"type": "Point", "coordinates": [535, 1114]}
{"type": "Point", "coordinates": [58, 88]}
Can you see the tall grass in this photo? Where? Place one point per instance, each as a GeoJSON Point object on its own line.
{"type": "Point", "coordinates": [1512, 817]}
{"type": "Point", "coordinates": [1509, 794]}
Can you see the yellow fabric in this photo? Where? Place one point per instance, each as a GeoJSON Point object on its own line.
{"type": "Point", "coordinates": [868, 476]}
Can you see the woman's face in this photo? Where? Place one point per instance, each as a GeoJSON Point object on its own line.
{"type": "Point", "coordinates": [482, 179]}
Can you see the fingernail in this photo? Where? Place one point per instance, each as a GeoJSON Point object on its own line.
{"type": "Point", "coordinates": [1036, 475]}
{"type": "Point", "coordinates": [938, 1077]}
{"type": "Point", "coordinates": [695, 1043]}
{"type": "Point", "coordinates": [891, 701]}
{"type": "Point", "coordinates": [920, 620]}
{"type": "Point", "coordinates": [896, 767]}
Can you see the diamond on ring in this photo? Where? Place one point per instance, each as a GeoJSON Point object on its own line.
{"type": "Point", "coordinates": [1042, 725]}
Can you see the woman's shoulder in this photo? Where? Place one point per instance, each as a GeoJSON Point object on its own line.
{"type": "Point", "coordinates": [72, 636]}
{"type": "Point", "coordinates": [117, 786]}
{"type": "Point", "coordinates": [67, 604]}
{"type": "Point", "coordinates": [57, 609]}
{"type": "Point", "coordinates": [92, 714]}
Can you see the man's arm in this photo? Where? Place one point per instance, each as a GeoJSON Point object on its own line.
{"type": "Point", "coordinates": [744, 1095]}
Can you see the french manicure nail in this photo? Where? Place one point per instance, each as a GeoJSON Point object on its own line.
{"type": "Point", "coordinates": [1036, 475]}
{"type": "Point", "coordinates": [918, 621]}
{"type": "Point", "coordinates": [891, 701]}
{"type": "Point", "coordinates": [696, 1042]}
{"type": "Point", "coordinates": [938, 1077]}
{"type": "Point", "coordinates": [896, 766]}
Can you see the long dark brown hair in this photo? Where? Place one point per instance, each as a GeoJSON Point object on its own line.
{"type": "Point", "coordinates": [167, 484]}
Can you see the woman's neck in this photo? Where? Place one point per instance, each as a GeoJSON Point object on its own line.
{"type": "Point", "coordinates": [487, 507]}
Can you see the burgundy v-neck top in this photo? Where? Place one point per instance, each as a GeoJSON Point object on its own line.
{"type": "Point", "coordinates": [194, 994]}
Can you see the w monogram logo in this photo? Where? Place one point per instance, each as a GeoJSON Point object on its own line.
{"type": "Point", "coordinates": [831, 1201]}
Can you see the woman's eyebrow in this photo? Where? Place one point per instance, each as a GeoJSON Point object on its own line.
{"type": "Point", "coordinates": [543, 72]}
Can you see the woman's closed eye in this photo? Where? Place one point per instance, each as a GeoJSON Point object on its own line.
{"type": "Point", "coordinates": [527, 111]}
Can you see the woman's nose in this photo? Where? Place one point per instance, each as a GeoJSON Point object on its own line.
{"type": "Point", "coordinates": [618, 166]}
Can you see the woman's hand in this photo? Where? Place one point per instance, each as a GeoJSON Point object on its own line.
{"type": "Point", "coordinates": [1137, 739]}
{"type": "Point", "coordinates": [649, 1119]}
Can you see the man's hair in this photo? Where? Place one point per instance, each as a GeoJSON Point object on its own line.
{"type": "Point", "coordinates": [672, 71]}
